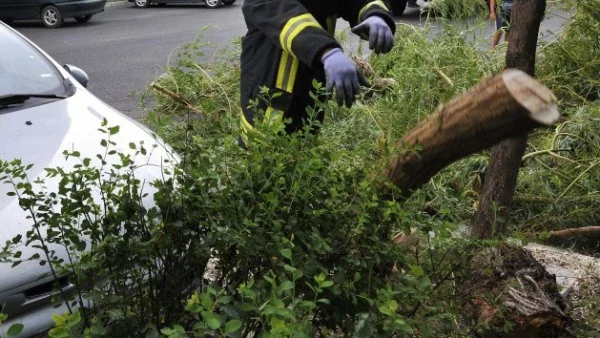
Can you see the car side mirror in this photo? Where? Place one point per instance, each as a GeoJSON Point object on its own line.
{"type": "Point", "coordinates": [79, 74]}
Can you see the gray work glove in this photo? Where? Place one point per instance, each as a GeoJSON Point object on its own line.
{"type": "Point", "coordinates": [341, 73]}
{"type": "Point", "coordinates": [381, 39]}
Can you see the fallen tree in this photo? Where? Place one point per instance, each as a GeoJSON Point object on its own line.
{"type": "Point", "coordinates": [507, 104]}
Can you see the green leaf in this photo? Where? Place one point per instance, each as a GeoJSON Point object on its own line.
{"type": "Point", "coordinates": [389, 308]}
{"type": "Point", "coordinates": [232, 326]}
{"type": "Point", "coordinates": [287, 253]}
{"type": "Point", "coordinates": [289, 268]}
{"type": "Point", "coordinates": [17, 239]}
{"type": "Point", "coordinates": [98, 329]}
{"type": "Point", "coordinates": [417, 271]}
{"type": "Point", "coordinates": [74, 319]}
{"type": "Point", "coordinates": [364, 327]}
{"type": "Point", "coordinates": [287, 285]}
{"type": "Point", "coordinates": [113, 130]}
{"type": "Point", "coordinates": [211, 320]}
{"type": "Point", "coordinates": [58, 332]}
{"type": "Point", "coordinates": [326, 284]}
{"type": "Point", "coordinates": [14, 330]}
{"type": "Point", "coordinates": [58, 320]}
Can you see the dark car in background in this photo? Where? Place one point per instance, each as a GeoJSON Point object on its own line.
{"type": "Point", "coordinates": [52, 12]}
{"type": "Point", "coordinates": [207, 3]}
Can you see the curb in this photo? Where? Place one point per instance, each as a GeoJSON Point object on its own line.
{"type": "Point", "coordinates": [116, 4]}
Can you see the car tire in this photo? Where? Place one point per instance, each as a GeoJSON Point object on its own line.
{"type": "Point", "coordinates": [52, 17]}
{"type": "Point", "coordinates": [141, 3]}
{"type": "Point", "coordinates": [83, 18]}
{"type": "Point", "coordinates": [397, 6]}
{"type": "Point", "coordinates": [213, 3]}
{"type": "Point", "coordinates": [228, 2]}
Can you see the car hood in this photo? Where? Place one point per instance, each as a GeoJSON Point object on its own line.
{"type": "Point", "coordinates": [39, 135]}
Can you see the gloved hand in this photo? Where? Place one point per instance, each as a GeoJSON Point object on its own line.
{"type": "Point", "coordinates": [341, 73]}
{"type": "Point", "coordinates": [380, 35]}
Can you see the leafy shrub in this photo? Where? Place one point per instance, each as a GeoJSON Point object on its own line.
{"type": "Point", "coordinates": [291, 236]}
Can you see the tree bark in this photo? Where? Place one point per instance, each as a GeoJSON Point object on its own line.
{"type": "Point", "coordinates": [510, 103]}
{"type": "Point", "coordinates": [505, 160]}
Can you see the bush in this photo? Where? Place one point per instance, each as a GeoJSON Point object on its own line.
{"type": "Point", "coordinates": [292, 236]}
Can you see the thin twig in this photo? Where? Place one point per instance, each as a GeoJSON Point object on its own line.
{"type": "Point", "coordinates": [176, 97]}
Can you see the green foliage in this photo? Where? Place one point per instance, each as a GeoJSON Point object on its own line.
{"type": "Point", "coordinates": [65, 325]}
{"type": "Point", "coordinates": [291, 236]}
{"type": "Point", "coordinates": [455, 9]}
{"type": "Point", "coordinates": [570, 65]}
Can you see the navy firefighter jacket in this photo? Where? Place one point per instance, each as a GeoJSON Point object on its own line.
{"type": "Point", "coordinates": [283, 45]}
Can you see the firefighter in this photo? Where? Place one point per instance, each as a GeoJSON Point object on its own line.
{"type": "Point", "coordinates": [290, 43]}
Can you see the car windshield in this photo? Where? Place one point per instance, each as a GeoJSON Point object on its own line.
{"type": "Point", "coordinates": [24, 70]}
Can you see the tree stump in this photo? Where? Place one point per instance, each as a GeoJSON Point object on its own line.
{"type": "Point", "coordinates": [507, 293]}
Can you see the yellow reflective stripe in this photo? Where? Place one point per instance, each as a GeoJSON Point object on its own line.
{"type": "Point", "coordinates": [331, 21]}
{"type": "Point", "coordinates": [297, 31]}
{"type": "Point", "coordinates": [244, 124]}
{"type": "Point", "coordinates": [273, 116]}
{"type": "Point", "coordinates": [281, 70]}
{"type": "Point", "coordinates": [292, 76]}
{"type": "Point", "coordinates": [293, 27]}
{"type": "Point", "coordinates": [244, 137]}
{"type": "Point", "coordinates": [369, 5]}
{"type": "Point", "coordinates": [286, 72]}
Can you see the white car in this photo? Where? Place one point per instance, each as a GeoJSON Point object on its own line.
{"type": "Point", "coordinates": [44, 110]}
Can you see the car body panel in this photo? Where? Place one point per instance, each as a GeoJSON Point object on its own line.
{"type": "Point", "coordinates": [175, 1]}
{"type": "Point", "coordinates": [38, 134]}
{"type": "Point", "coordinates": [181, 2]}
{"type": "Point", "coordinates": [31, 9]}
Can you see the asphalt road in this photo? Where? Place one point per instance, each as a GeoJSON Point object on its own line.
{"type": "Point", "coordinates": [124, 48]}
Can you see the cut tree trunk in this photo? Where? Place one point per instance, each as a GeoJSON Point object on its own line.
{"type": "Point", "coordinates": [507, 104]}
{"type": "Point", "coordinates": [505, 161]}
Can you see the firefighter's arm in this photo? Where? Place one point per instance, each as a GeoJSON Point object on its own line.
{"type": "Point", "coordinates": [289, 25]}
{"type": "Point", "coordinates": [360, 10]}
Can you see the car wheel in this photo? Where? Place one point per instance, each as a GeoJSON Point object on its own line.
{"type": "Point", "coordinates": [228, 2]}
{"type": "Point", "coordinates": [141, 3]}
{"type": "Point", "coordinates": [83, 18]}
{"type": "Point", "coordinates": [51, 17]}
{"type": "Point", "coordinates": [213, 3]}
{"type": "Point", "coordinates": [397, 6]}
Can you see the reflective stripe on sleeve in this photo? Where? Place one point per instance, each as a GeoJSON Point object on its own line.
{"type": "Point", "coordinates": [286, 73]}
{"type": "Point", "coordinates": [293, 27]}
{"type": "Point", "coordinates": [378, 3]}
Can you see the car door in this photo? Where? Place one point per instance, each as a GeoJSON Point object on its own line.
{"type": "Point", "coordinates": [7, 9]}
{"type": "Point", "coordinates": [185, 1]}
{"type": "Point", "coordinates": [20, 9]}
